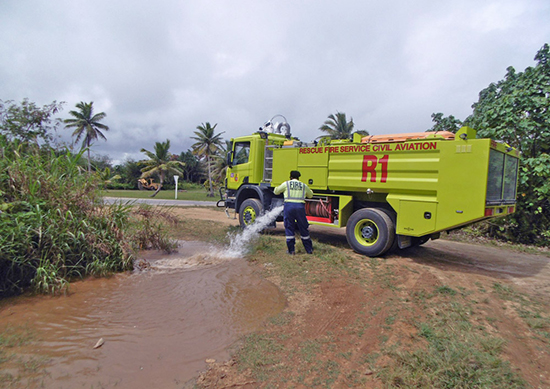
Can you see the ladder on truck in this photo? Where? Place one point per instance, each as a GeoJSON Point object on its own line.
{"type": "Point", "coordinates": [268, 163]}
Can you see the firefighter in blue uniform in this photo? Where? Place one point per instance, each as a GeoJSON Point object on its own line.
{"type": "Point", "coordinates": [295, 193]}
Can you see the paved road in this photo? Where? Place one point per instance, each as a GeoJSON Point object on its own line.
{"type": "Point", "coordinates": [179, 203]}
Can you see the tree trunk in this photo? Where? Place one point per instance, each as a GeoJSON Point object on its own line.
{"type": "Point", "coordinates": [211, 193]}
{"type": "Point", "coordinates": [161, 178]}
{"type": "Point", "coordinates": [157, 191]}
{"type": "Point", "coordinates": [89, 165]}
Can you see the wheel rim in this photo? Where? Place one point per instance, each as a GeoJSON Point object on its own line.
{"type": "Point", "coordinates": [366, 232]}
{"type": "Point", "coordinates": [249, 215]}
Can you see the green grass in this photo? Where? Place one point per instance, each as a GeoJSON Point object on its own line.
{"type": "Point", "coordinates": [191, 194]}
{"type": "Point", "coordinates": [192, 229]}
{"type": "Point", "coordinates": [533, 313]}
{"type": "Point", "coordinates": [12, 336]}
{"type": "Point", "coordinates": [19, 370]}
{"type": "Point", "coordinates": [309, 350]}
{"type": "Point", "coordinates": [458, 352]}
{"type": "Point", "coordinates": [452, 361]}
{"type": "Point", "coordinates": [259, 353]}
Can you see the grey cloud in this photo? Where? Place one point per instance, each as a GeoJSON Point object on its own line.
{"type": "Point", "coordinates": [159, 69]}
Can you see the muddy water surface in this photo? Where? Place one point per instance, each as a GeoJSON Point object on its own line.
{"type": "Point", "coordinates": [158, 325]}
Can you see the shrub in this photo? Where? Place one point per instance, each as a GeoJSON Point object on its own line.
{"type": "Point", "coordinates": [53, 225]}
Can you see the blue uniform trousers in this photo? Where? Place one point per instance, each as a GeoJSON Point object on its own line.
{"type": "Point", "coordinates": [295, 216]}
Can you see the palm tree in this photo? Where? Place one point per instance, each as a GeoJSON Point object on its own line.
{"type": "Point", "coordinates": [106, 178]}
{"type": "Point", "coordinates": [207, 145]}
{"type": "Point", "coordinates": [86, 124]}
{"type": "Point", "coordinates": [338, 127]}
{"type": "Point", "coordinates": [219, 163]}
{"type": "Point", "coordinates": [160, 163]}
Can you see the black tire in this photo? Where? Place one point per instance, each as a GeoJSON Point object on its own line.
{"type": "Point", "coordinates": [249, 210]}
{"type": "Point", "coordinates": [394, 247]}
{"type": "Point", "coordinates": [370, 231]}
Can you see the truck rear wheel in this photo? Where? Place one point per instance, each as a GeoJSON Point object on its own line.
{"type": "Point", "coordinates": [370, 231]}
{"type": "Point", "coordinates": [248, 212]}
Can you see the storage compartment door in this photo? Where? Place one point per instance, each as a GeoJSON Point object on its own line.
{"type": "Point", "coordinates": [416, 218]}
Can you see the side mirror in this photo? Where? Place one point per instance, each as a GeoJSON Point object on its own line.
{"type": "Point", "coordinates": [230, 159]}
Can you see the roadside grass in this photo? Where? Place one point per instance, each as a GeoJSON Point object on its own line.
{"type": "Point", "coordinates": [452, 349]}
{"type": "Point", "coordinates": [261, 354]}
{"type": "Point", "coordinates": [50, 227]}
{"type": "Point", "coordinates": [149, 227]}
{"type": "Point", "coordinates": [301, 272]}
{"type": "Point", "coordinates": [202, 230]}
{"type": "Point", "coordinates": [190, 194]}
{"type": "Point", "coordinates": [533, 313]}
{"type": "Point", "coordinates": [15, 336]}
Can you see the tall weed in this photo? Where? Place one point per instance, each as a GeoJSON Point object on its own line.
{"type": "Point", "coordinates": [53, 224]}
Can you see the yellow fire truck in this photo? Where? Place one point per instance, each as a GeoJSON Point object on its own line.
{"type": "Point", "coordinates": [387, 190]}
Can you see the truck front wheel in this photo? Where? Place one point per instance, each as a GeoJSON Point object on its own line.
{"type": "Point", "coordinates": [370, 231]}
{"type": "Point", "coordinates": [248, 212]}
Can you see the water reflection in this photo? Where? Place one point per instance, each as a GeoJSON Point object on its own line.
{"type": "Point", "coordinates": [159, 325]}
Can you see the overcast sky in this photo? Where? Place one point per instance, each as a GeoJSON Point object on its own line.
{"type": "Point", "coordinates": [158, 69]}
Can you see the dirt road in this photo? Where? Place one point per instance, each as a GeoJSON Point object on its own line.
{"type": "Point", "coordinates": [361, 323]}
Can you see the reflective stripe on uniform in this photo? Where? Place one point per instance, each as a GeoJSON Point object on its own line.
{"type": "Point", "coordinates": [306, 237]}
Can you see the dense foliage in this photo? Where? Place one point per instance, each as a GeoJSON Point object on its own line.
{"type": "Point", "coordinates": [28, 122]}
{"type": "Point", "coordinates": [191, 168]}
{"type": "Point", "coordinates": [51, 229]}
{"type": "Point", "coordinates": [516, 110]}
{"type": "Point", "coordinates": [442, 123]}
{"type": "Point", "coordinates": [129, 172]}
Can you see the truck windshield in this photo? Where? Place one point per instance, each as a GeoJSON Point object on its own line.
{"type": "Point", "coordinates": [502, 178]}
{"type": "Point", "coordinates": [242, 152]}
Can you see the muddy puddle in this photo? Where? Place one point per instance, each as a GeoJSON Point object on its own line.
{"type": "Point", "coordinates": [159, 325]}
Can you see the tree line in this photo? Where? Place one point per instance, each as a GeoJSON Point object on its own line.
{"type": "Point", "coordinates": [206, 161]}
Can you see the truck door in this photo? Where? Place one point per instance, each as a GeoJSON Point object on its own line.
{"type": "Point", "coordinates": [242, 167]}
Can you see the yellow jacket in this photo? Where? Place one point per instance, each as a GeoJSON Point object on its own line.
{"type": "Point", "coordinates": [294, 191]}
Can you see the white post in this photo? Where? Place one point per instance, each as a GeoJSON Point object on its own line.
{"type": "Point", "coordinates": [176, 180]}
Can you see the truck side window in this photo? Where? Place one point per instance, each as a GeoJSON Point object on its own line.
{"type": "Point", "coordinates": [242, 152]}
